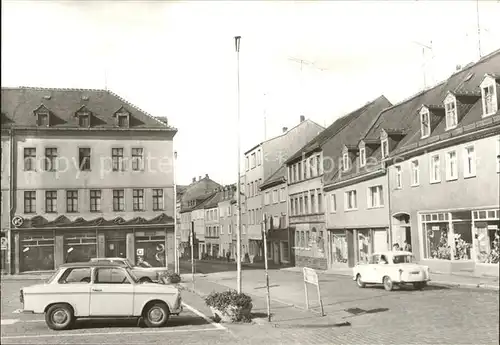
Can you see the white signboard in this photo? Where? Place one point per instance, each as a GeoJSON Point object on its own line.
{"type": "Point", "coordinates": [140, 251]}
{"type": "Point", "coordinates": [310, 276]}
{"type": "Point", "coordinates": [4, 243]}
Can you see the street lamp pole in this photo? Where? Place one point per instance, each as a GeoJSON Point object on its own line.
{"type": "Point", "coordinates": [176, 244]}
{"type": "Point", "coordinates": [238, 191]}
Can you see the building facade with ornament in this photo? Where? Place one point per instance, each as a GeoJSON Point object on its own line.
{"type": "Point", "coordinates": [87, 174]}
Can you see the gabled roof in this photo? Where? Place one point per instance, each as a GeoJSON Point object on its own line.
{"type": "Point", "coordinates": [203, 203]}
{"type": "Point", "coordinates": [214, 200]}
{"type": "Point", "coordinates": [19, 104]}
{"type": "Point", "coordinates": [405, 113]}
{"type": "Point", "coordinates": [336, 127]}
{"type": "Point", "coordinates": [277, 178]}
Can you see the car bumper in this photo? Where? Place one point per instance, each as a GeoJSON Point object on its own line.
{"type": "Point", "coordinates": [24, 311]}
{"type": "Point", "coordinates": [414, 281]}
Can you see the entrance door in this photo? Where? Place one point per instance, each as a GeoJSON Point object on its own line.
{"type": "Point", "coordinates": [276, 252]}
{"type": "Point", "coordinates": [112, 293]}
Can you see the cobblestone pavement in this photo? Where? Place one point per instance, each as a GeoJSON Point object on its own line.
{"type": "Point", "coordinates": [434, 316]}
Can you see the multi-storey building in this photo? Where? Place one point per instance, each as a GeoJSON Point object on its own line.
{"type": "Point", "coordinates": [212, 224]}
{"type": "Point", "coordinates": [261, 162]}
{"type": "Point", "coordinates": [434, 176]}
{"type": "Point", "coordinates": [275, 209]}
{"type": "Point", "coordinates": [6, 172]}
{"type": "Point", "coordinates": [307, 169]}
{"type": "Point", "coordinates": [91, 176]}
{"type": "Point", "coordinates": [194, 195]}
{"type": "Point", "coordinates": [227, 221]}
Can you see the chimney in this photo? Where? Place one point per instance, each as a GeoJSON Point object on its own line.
{"type": "Point", "coordinates": [206, 176]}
{"type": "Point", "coordinates": [285, 129]}
{"type": "Point", "coordinates": [302, 118]}
{"type": "Point", "coordinates": [194, 179]}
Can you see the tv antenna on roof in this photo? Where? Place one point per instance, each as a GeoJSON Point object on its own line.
{"type": "Point", "coordinates": [303, 62]}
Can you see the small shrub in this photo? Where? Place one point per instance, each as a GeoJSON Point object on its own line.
{"type": "Point", "coordinates": [222, 300]}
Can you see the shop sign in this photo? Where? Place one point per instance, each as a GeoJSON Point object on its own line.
{"type": "Point", "coordinates": [140, 251]}
{"type": "Point", "coordinates": [4, 243]}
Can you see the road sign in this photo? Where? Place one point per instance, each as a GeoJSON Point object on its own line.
{"type": "Point", "coordinates": [311, 277]}
{"type": "Point", "coordinates": [140, 251]}
{"type": "Point", "coordinates": [17, 221]}
{"type": "Point", "coordinates": [4, 243]}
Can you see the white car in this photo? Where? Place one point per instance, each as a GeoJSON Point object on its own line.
{"type": "Point", "coordinates": [390, 269]}
{"type": "Point", "coordinates": [145, 274]}
{"type": "Point", "coordinates": [99, 290]}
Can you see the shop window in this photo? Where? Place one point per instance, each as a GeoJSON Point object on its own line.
{"type": "Point", "coordinates": [436, 240]}
{"type": "Point", "coordinates": [302, 239]}
{"type": "Point", "coordinates": [80, 246]}
{"type": "Point", "coordinates": [364, 244]}
{"type": "Point", "coordinates": [487, 235]}
{"type": "Point", "coordinates": [320, 241]}
{"type": "Point", "coordinates": [285, 253]}
{"type": "Point", "coordinates": [339, 248]}
{"type": "Point", "coordinates": [307, 243]}
{"type": "Point", "coordinates": [37, 252]}
{"type": "Point", "coordinates": [153, 245]}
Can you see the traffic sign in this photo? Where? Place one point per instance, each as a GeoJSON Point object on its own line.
{"type": "Point", "coordinates": [17, 221]}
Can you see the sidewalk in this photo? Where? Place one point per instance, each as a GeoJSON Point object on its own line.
{"type": "Point", "coordinates": [438, 279]}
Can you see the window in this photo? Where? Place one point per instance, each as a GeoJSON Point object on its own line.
{"type": "Point", "coordinates": [498, 155]}
{"type": "Point", "coordinates": [306, 203]}
{"type": "Point", "coordinates": [123, 120]}
{"type": "Point", "coordinates": [84, 120]}
{"type": "Point", "coordinates": [246, 163]}
{"type": "Point", "coordinates": [362, 157]}
{"type": "Point", "coordinates": [75, 275]}
{"type": "Point", "coordinates": [51, 201]}
{"type": "Point", "coordinates": [71, 201]}
{"type": "Point", "coordinates": [282, 194]}
{"type": "Point", "coordinates": [299, 168]}
{"type": "Point", "coordinates": [320, 203]}
{"type": "Point", "coordinates": [84, 158]}
{"type": "Point", "coordinates": [451, 166]}
{"type": "Point", "coordinates": [399, 177]}
{"type": "Point", "coordinates": [451, 114]}
{"type": "Point", "coordinates": [333, 203]}
{"type": "Point", "coordinates": [118, 200]}
{"type": "Point", "coordinates": [345, 162]}
{"type": "Point", "coordinates": [266, 198]}
{"type": "Point", "coordinates": [157, 199]}
{"type": "Point", "coordinates": [117, 159]}
{"type": "Point", "coordinates": [351, 200]}
{"type": "Point", "coordinates": [385, 148]}
{"type": "Point", "coordinates": [138, 199]}
{"type": "Point", "coordinates": [311, 168]}
{"type": "Point", "coordinates": [229, 229]}
{"type": "Point", "coordinates": [318, 165]}
{"type": "Point", "coordinates": [435, 169]}
{"type": "Point", "coordinates": [111, 276]}
{"type": "Point", "coordinates": [415, 173]}
{"type": "Point", "coordinates": [425, 123]}
{"type": "Point", "coordinates": [304, 170]}
{"type": "Point", "coordinates": [259, 157]}
{"type": "Point", "coordinates": [50, 158]}
{"type": "Point", "coordinates": [95, 200]}
{"type": "Point", "coordinates": [275, 196]}
{"type": "Point", "coordinates": [253, 160]}
{"type": "Point", "coordinates": [29, 201]}
{"type": "Point", "coordinates": [490, 105]}
{"type": "Point", "coordinates": [469, 162]}
{"type": "Point", "coordinates": [301, 205]}
{"type": "Point", "coordinates": [292, 207]}
{"type": "Point", "coordinates": [137, 159]}
{"type": "Point", "coordinates": [375, 197]}
{"type": "Point", "coordinates": [29, 159]}
{"type": "Point", "coordinates": [43, 119]}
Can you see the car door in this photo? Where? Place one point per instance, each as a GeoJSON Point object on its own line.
{"type": "Point", "coordinates": [111, 293]}
{"type": "Point", "coordinates": [372, 269]}
{"type": "Point", "coordinates": [74, 285]}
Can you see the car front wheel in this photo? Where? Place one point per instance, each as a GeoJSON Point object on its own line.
{"type": "Point", "coordinates": [156, 315]}
{"type": "Point", "coordinates": [59, 317]}
{"type": "Point", "coordinates": [359, 281]}
{"type": "Point", "coordinates": [388, 284]}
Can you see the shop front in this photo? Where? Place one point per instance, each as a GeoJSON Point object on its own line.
{"type": "Point", "coordinates": [37, 251]}
{"type": "Point", "coordinates": [150, 247]}
{"type": "Point", "coordinates": [462, 240]}
{"type": "Point", "coordinates": [80, 246]}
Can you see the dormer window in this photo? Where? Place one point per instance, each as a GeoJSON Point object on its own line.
{"type": "Point", "coordinates": [42, 120]}
{"type": "Point", "coordinates": [425, 127]}
{"type": "Point", "coordinates": [42, 116]}
{"type": "Point", "coordinates": [450, 106]}
{"type": "Point", "coordinates": [84, 120]}
{"type": "Point", "coordinates": [123, 120]}
{"type": "Point", "coordinates": [345, 161]}
{"type": "Point", "coordinates": [385, 148]}
{"type": "Point", "coordinates": [489, 96]}
{"type": "Point", "coordinates": [362, 157]}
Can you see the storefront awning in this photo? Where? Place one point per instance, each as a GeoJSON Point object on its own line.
{"type": "Point", "coordinates": [62, 221]}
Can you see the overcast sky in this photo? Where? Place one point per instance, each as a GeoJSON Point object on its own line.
{"type": "Point", "coordinates": [177, 59]}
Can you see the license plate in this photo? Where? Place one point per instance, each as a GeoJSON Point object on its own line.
{"type": "Point", "coordinates": [415, 272]}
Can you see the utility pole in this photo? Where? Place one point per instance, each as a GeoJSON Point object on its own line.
{"type": "Point", "coordinates": [264, 237]}
{"type": "Point", "coordinates": [265, 119]}
{"type": "Point", "coordinates": [238, 184]}
{"type": "Point", "coordinates": [478, 30]}
{"type": "Point", "coordinates": [424, 47]}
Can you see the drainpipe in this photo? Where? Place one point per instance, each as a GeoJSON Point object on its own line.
{"type": "Point", "coordinates": [11, 199]}
{"type": "Point", "coordinates": [389, 203]}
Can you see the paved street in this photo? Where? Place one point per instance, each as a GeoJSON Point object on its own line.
{"type": "Point", "coordinates": [436, 315]}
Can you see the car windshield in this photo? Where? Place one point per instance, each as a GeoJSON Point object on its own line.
{"type": "Point", "coordinates": [132, 275]}
{"type": "Point", "coordinates": [52, 277]}
{"type": "Point", "coordinates": [403, 259]}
